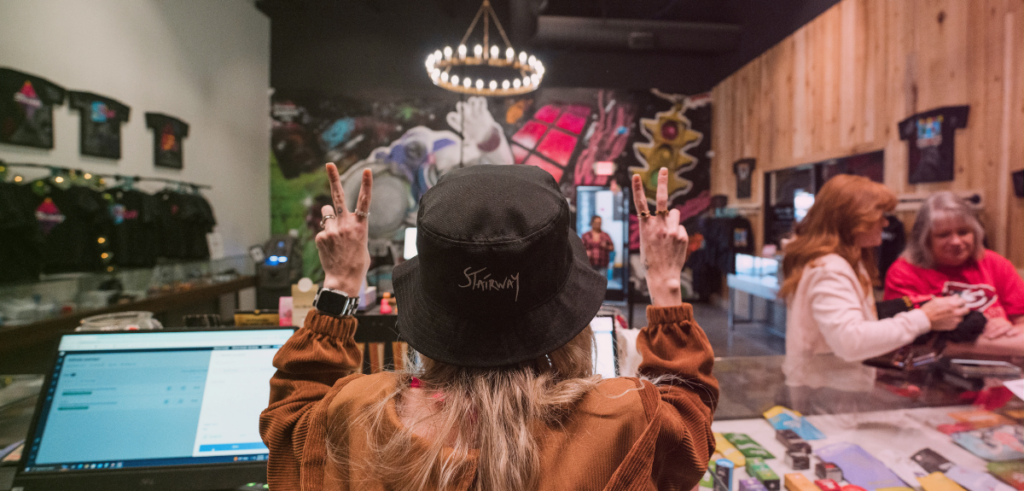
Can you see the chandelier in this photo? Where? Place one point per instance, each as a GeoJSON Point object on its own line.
{"type": "Point", "coordinates": [454, 69]}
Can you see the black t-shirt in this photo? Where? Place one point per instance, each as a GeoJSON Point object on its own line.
{"type": "Point", "coordinates": [894, 239]}
{"type": "Point", "coordinates": [26, 109]}
{"type": "Point", "coordinates": [20, 242]}
{"type": "Point", "coordinates": [71, 222]}
{"type": "Point", "coordinates": [931, 136]}
{"type": "Point", "coordinates": [167, 134]}
{"type": "Point", "coordinates": [100, 126]}
{"type": "Point", "coordinates": [135, 241]}
{"type": "Point", "coordinates": [184, 220]}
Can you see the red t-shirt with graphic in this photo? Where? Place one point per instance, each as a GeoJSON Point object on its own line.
{"type": "Point", "coordinates": [991, 286]}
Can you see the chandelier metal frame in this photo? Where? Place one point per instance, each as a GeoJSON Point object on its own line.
{"type": "Point", "coordinates": [441, 62]}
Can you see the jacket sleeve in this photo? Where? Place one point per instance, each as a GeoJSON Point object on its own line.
{"type": "Point", "coordinates": [835, 296]}
{"type": "Point", "coordinates": [312, 366]}
{"type": "Point", "coordinates": [674, 346]}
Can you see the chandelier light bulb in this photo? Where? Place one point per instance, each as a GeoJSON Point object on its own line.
{"type": "Point", "coordinates": [526, 81]}
{"type": "Point", "coordinates": [522, 57]}
{"type": "Point", "coordinates": [435, 74]}
{"type": "Point", "coordinates": [437, 55]}
{"type": "Point", "coordinates": [447, 52]}
{"type": "Point", "coordinates": [462, 51]}
{"type": "Point", "coordinates": [478, 50]}
{"type": "Point", "coordinates": [444, 76]}
{"type": "Point", "coordinates": [494, 51]}
{"type": "Point", "coordinates": [534, 79]}
{"type": "Point", "coordinates": [467, 82]}
{"type": "Point", "coordinates": [509, 54]}
{"type": "Point", "coordinates": [479, 84]}
{"type": "Point", "coordinates": [455, 80]}
{"type": "Point", "coordinates": [516, 83]}
{"type": "Point", "coordinates": [493, 85]}
{"type": "Point", "coordinates": [532, 60]}
{"type": "Point", "coordinates": [504, 84]}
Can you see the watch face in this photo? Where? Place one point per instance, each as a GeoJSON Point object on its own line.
{"type": "Point", "coordinates": [334, 303]}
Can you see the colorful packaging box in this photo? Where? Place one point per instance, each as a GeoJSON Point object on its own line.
{"type": "Point", "coordinates": [828, 470]}
{"type": "Point", "coordinates": [798, 461]}
{"type": "Point", "coordinates": [757, 468]}
{"type": "Point", "coordinates": [723, 475]}
{"type": "Point", "coordinates": [751, 484]}
{"type": "Point", "coordinates": [799, 482]}
{"type": "Point", "coordinates": [728, 451]}
{"type": "Point", "coordinates": [827, 485]}
{"type": "Point", "coordinates": [938, 481]}
{"type": "Point", "coordinates": [747, 446]}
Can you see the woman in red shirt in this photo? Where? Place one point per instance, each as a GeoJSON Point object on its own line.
{"type": "Point", "coordinates": [946, 256]}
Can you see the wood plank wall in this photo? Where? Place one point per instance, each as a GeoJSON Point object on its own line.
{"type": "Point", "coordinates": [840, 84]}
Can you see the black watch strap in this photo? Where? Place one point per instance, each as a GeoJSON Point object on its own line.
{"type": "Point", "coordinates": [334, 302]}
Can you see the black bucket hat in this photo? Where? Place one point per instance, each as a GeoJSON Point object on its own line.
{"type": "Point", "coordinates": [500, 277]}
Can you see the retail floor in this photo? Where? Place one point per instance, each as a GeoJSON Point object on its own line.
{"type": "Point", "coordinates": [747, 341]}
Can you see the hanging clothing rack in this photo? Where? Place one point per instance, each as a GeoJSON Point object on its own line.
{"type": "Point", "coordinates": [121, 177]}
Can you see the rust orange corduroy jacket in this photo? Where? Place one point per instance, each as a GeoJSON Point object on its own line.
{"type": "Point", "coordinates": [627, 434]}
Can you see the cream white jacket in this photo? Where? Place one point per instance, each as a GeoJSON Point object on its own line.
{"type": "Point", "coordinates": [831, 326]}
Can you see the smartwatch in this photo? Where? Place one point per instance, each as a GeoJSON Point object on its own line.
{"type": "Point", "coordinates": [335, 302]}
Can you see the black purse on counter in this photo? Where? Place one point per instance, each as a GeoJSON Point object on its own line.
{"type": "Point", "coordinates": [927, 348]}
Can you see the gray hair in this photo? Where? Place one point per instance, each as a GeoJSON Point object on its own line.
{"type": "Point", "coordinates": [919, 250]}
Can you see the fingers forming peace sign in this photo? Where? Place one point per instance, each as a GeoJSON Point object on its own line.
{"type": "Point", "coordinates": [663, 242]}
{"type": "Point", "coordinates": [342, 243]}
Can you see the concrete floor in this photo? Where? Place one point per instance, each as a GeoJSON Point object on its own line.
{"type": "Point", "coordinates": [747, 341]}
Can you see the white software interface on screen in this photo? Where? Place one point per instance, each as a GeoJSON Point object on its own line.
{"type": "Point", "coordinates": [237, 390]}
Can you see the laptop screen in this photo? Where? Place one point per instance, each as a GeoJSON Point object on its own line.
{"type": "Point", "coordinates": [136, 400]}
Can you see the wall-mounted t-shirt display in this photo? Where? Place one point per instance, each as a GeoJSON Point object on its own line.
{"type": "Point", "coordinates": [167, 134]}
{"type": "Point", "coordinates": [744, 170]}
{"type": "Point", "coordinates": [26, 109]}
{"type": "Point", "coordinates": [100, 126]}
{"type": "Point", "coordinates": [930, 136]}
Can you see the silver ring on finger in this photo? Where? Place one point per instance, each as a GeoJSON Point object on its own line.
{"type": "Point", "coordinates": [361, 213]}
{"type": "Point", "coordinates": [323, 221]}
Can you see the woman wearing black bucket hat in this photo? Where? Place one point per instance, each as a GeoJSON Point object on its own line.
{"type": "Point", "coordinates": [497, 304]}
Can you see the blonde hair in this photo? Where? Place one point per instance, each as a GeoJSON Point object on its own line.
{"type": "Point", "coordinates": [503, 404]}
{"type": "Point", "coordinates": [919, 247]}
{"type": "Point", "coordinates": [846, 206]}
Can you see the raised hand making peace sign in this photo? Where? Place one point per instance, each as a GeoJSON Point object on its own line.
{"type": "Point", "coordinates": [343, 242]}
{"type": "Point", "coordinates": [663, 242]}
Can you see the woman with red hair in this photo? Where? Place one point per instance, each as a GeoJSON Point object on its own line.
{"type": "Point", "coordinates": [829, 270]}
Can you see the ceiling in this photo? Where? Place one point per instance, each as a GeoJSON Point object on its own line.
{"type": "Point", "coordinates": [351, 46]}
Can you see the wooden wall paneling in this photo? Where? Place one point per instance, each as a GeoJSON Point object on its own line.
{"type": "Point", "coordinates": [839, 86]}
{"type": "Point", "coordinates": [1015, 80]}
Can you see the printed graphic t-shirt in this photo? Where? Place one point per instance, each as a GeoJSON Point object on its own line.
{"type": "Point", "coordinates": [70, 221]}
{"type": "Point", "coordinates": [26, 109]}
{"type": "Point", "coordinates": [930, 136]}
{"type": "Point", "coordinates": [990, 286]}
{"type": "Point", "coordinates": [167, 134]}
{"type": "Point", "coordinates": [100, 126]}
{"type": "Point", "coordinates": [135, 240]}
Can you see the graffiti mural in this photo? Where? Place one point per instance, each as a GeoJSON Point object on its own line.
{"type": "Point", "coordinates": [582, 137]}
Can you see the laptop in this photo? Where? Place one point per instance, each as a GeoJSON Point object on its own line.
{"type": "Point", "coordinates": [153, 410]}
